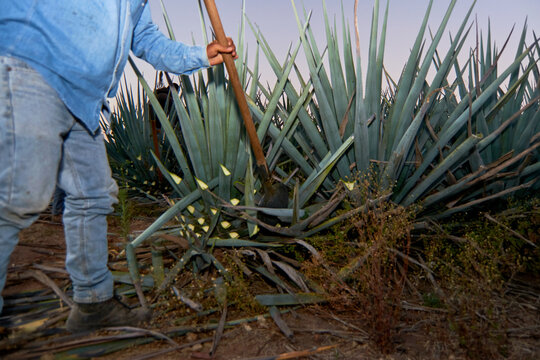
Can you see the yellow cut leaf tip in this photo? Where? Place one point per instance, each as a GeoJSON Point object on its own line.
{"type": "Point", "coordinates": [226, 172]}
{"type": "Point", "coordinates": [202, 184]}
{"type": "Point", "coordinates": [177, 179]}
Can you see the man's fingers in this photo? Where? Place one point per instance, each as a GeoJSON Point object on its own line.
{"type": "Point", "coordinates": [225, 49]}
{"type": "Point", "coordinates": [218, 59]}
{"type": "Point", "coordinates": [215, 49]}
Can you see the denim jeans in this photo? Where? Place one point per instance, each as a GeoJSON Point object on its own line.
{"type": "Point", "coordinates": [42, 145]}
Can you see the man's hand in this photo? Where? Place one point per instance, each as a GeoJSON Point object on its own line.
{"type": "Point", "coordinates": [214, 51]}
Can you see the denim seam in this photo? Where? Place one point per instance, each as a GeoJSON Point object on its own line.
{"type": "Point", "coordinates": [11, 139]}
{"type": "Point", "coordinates": [82, 227]}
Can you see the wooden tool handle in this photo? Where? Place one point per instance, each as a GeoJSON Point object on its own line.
{"type": "Point", "coordinates": [237, 87]}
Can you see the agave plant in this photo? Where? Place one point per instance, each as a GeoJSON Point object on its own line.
{"type": "Point", "coordinates": [449, 143]}
{"type": "Point", "coordinates": [215, 164]}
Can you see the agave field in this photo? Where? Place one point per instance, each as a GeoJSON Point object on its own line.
{"type": "Point", "coordinates": [389, 165]}
{"type": "Point", "coordinates": [453, 132]}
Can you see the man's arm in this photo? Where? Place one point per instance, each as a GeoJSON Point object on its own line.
{"type": "Point", "coordinates": [153, 46]}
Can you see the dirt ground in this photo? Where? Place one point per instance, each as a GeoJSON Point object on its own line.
{"type": "Point", "coordinates": [326, 332]}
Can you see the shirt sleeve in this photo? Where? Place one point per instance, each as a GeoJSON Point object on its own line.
{"type": "Point", "coordinates": [151, 45]}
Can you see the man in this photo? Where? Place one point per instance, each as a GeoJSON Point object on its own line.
{"type": "Point", "coordinates": [59, 62]}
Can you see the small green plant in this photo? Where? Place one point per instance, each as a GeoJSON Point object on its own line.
{"type": "Point", "coordinates": [125, 211]}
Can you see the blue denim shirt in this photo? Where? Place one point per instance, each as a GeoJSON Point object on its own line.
{"type": "Point", "coordinates": [81, 47]}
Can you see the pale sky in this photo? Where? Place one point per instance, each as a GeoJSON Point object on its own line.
{"type": "Point", "coordinates": [276, 20]}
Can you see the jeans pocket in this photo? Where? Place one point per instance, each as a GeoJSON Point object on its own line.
{"type": "Point", "coordinates": [30, 142]}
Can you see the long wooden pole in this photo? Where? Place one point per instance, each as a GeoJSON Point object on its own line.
{"type": "Point", "coordinates": [238, 90]}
